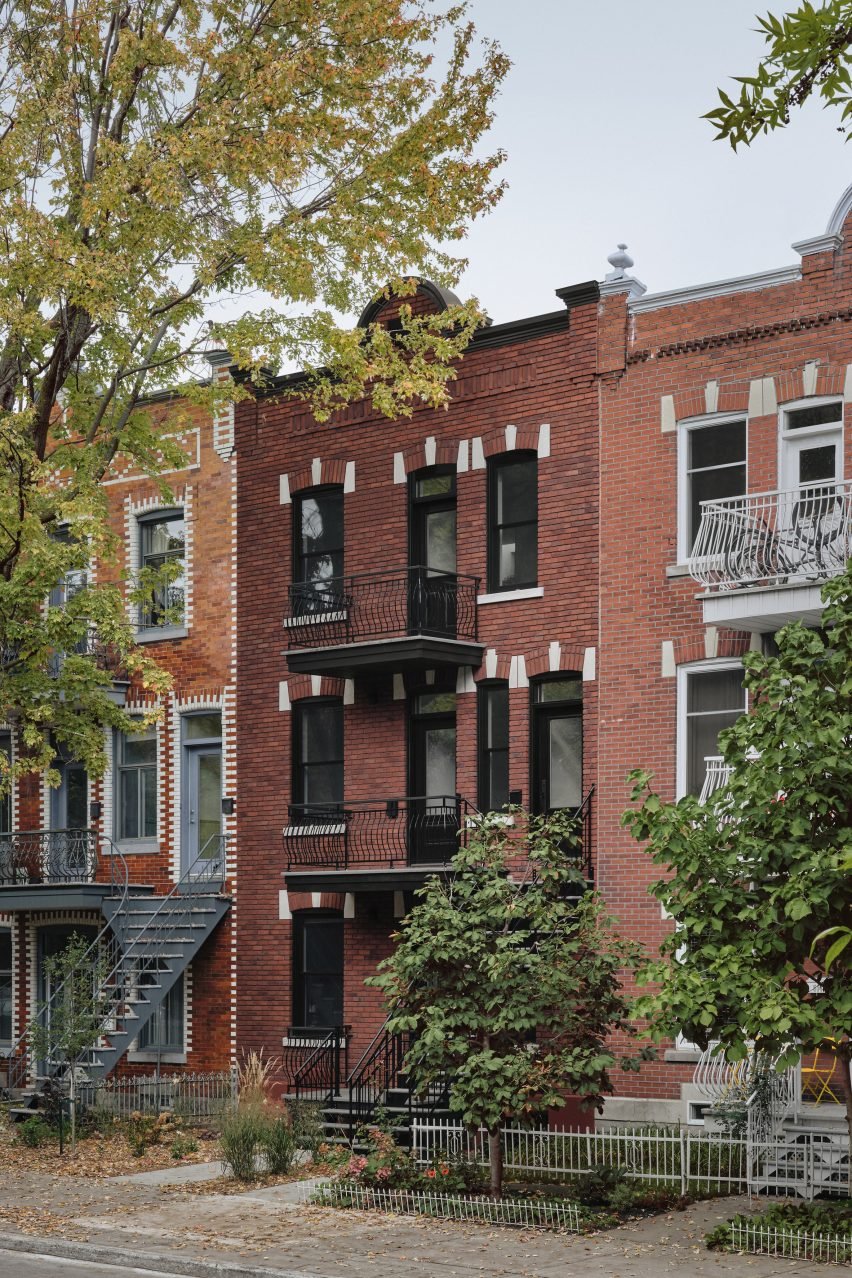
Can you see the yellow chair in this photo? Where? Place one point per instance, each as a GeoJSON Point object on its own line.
{"type": "Point", "coordinates": [816, 1080]}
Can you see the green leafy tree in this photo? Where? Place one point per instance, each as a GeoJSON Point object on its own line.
{"type": "Point", "coordinates": [510, 989]}
{"type": "Point", "coordinates": [807, 54]}
{"type": "Point", "coordinates": [159, 158]}
{"type": "Point", "coordinates": [69, 1024]}
{"type": "Point", "coordinates": [757, 878]}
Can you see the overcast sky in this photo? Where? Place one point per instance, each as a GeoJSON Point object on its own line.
{"type": "Point", "coordinates": [600, 117]}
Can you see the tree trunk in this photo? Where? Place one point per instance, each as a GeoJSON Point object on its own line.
{"type": "Point", "coordinates": [73, 1114]}
{"type": "Point", "coordinates": [495, 1158]}
{"type": "Point", "coordinates": [843, 1052]}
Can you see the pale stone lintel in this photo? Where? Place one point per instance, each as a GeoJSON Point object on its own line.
{"type": "Point", "coordinates": [464, 680]}
{"type": "Point", "coordinates": [518, 673]}
{"type": "Point", "coordinates": [283, 696]}
{"type": "Point", "coordinates": [711, 396]}
{"type": "Point", "coordinates": [554, 656]}
{"type": "Point", "coordinates": [463, 459]}
{"type": "Point", "coordinates": [809, 376]}
{"type": "Point", "coordinates": [284, 490]}
{"type": "Point", "coordinates": [316, 471]}
{"type": "Point", "coordinates": [430, 450]}
{"type": "Point", "coordinates": [668, 421]}
{"type": "Point", "coordinates": [544, 439]}
{"type": "Point", "coordinates": [316, 897]}
{"type": "Point", "coordinates": [349, 478]}
{"type": "Point", "coordinates": [755, 397]}
{"type": "Point", "coordinates": [284, 905]}
{"type": "Point", "coordinates": [668, 669]}
{"type": "Point", "coordinates": [589, 665]}
{"type": "Point", "coordinates": [847, 384]}
{"type": "Point", "coordinates": [349, 692]}
{"type": "Point", "coordinates": [398, 688]}
{"type": "Point", "coordinates": [770, 399]}
{"type": "Point", "coordinates": [755, 643]}
{"type": "Point", "coordinates": [316, 685]}
{"type": "Point", "coordinates": [398, 468]}
{"type": "Point", "coordinates": [711, 642]}
{"type": "Point", "coordinates": [491, 663]}
{"type": "Point", "coordinates": [511, 438]}
{"type": "Point", "coordinates": [477, 458]}
{"type": "Point", "coordinates": [399, 905]}
{"type": "Point", "coordinates": [349, 905]}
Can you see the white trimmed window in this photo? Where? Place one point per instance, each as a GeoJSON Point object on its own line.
{"type": "Point", "coordinates": [162, 542]}
{"type": "Point", "coordinates": [711, 465]}
{"type": "Point", "coordinates": [710, 698]}
{"type": "Point", "coordinates": [135, 790]}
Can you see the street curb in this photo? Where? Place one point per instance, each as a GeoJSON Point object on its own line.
{"type": "Point", "coordinates": [153, 1262]}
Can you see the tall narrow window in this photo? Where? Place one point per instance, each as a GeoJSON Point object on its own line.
{"type": "Point", "coordinates": [6, 799]}
{"type": "Point", "coordinates": [557, 743]}
{"type": "Point", "coordinates": [318, 753]}
{"type": "Point", "coordinates": [162, 542]}
{"type": "Point", "coordinates": [715, 468]}
{"type": "Point", "coordinates": [5, 986]}
{"type": "Point", "coordinates": [513, 521]}
{"type": "Point", "coordinates": [712, 700]}
{"type": "Point", "coordinates": [136, 786]}
{"type": "Point", "coordinates": [164, 1032]}
{"type": "Point", "coordinates": [318, 970]}
{"type": "Point", "coordinates": [493, 746]}
{"type": "Point", "coordinates": [318, 543]}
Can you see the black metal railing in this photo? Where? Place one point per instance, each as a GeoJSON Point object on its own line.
{"type": "Point", "coordinates": [315, 1061]}
{"type": "Point", "coordinates": [48, 856]}
{"type": "Point", "coordinates": [382, 605]}
{"type": "Point", "coordinates": [381, 1072]}
{"type": "Point", "coordinates": [379, 832]}
{"type": "Point", "coordinates": [582, 849]}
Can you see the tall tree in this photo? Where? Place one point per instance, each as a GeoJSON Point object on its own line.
{"type": "Point", "coordinates": [808, 53]}
{"type": "Point", "coordinates": [757, 879]}
{"type": "Point", "coordinates": [156, 158]}
{"type": "Point", "coordinates": [509, 988]}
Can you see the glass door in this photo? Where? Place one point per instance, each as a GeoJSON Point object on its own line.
{"type": "Point", "coordinates": [67, 843]}
{"type": "Point", "coordinates": [201, 841]}
{"type": "Point", "coordinates": [557, 745]}
{"type": "Point", "coordinates": [432, 536]}
{"type": "Point", "coordinates": [433, 818]}
{"type": "Point", "coordinates": [812, 518]}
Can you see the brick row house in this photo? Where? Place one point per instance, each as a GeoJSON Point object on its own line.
{"type": "Point", "coordinates": [102, 856]}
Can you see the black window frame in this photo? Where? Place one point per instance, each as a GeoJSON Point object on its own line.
{"type": "Point", "coordinates": [150, 613]}
{"type": "Point", "coordinates": [171, 1010]}
{"type": "Point", "coordinates": [301, 709]}
{"type": "Point", "coordinates": [304, 584]}
{"type": "Point", "coordinates": [301, 921]}
{"type": "Point", "coordinates": [496, 465]}
{"type": "Point", "coordinates": [693, 509]}
{"type": "Point", "coordinates": [485, 749]}
{"type": "Point", "coordinates": [542, 708]}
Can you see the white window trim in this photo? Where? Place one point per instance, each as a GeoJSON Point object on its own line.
{"type": "Point", "coordinates": [683, 673]}
{"type": "Point", "coordinates": [136, 512]}
{"type": "Point", "coordinates": [786, 436]}
{"type": "Point", "coordinates": [684, 430]}
{"type": "Point", "coordinates": [183, 707]}
{"type": "Point", "coordinates": [129, 847]}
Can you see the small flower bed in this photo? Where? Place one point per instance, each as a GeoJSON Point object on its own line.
{"type": "Point", "coordinates": [820, 1231]}
{"type": "Point", "coordinates": [384, 1165]}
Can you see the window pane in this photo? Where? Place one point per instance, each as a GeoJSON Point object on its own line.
{"type": "Point", "coordinates": [558, 690]}
{"type": "Point", "coordinates": [498, 780]}
{"type": "Point", "coordinates": [139, 749]}
{"type": "Point", "coordinates": [435, 486]}
{"type": "Point", "coordinates": [165, 537]}
{"type": "Point", "coordinates": [566, 762]}
{"type": "Point", "coordinates": [5, 986]}
{"type": "Point", "coordinates": [497, 718]}
{"type": "Point", "coordinates": [717, 445]}
{"type": "Point", "coordinates": [76, 797]}
{"type": "Point", "coordinates": [518, 555]}
{"type": "Point", "coordinates": [202, 726]}
{"type": "Point", "coordinates": [517, 491]}
{"type": "Point", "coordinates": [817, 463]}
{"type": "Point", "coordinates": [323, 945]}
{"type": "Point", "coordinates": [713, 485]}
{"type": "Point", "coordinates": [322, 733]}
{"type": "Point", "coordinates": [321, 520]}
{"type": "Point", "coordinates": [164, 1031]}
{"type": "Point", "coordinates": [817, 415]}
{"type": "Point", "coordinates": [149, 802]}
{"type": "Point", "coordinates": [6, 800]}
{"type": "Point", "coordinates": [323, 784]}
{"type": "Point", "coordinates": [436, 703]}
{"type": "Point", "coordinates": [128, 812]}
{"type": "Point", "coordinates": [715, 691]}
{"type": "Point", "coordinates": [703, 742]}
{"type": "Point", "coordinates": [323, 1000]}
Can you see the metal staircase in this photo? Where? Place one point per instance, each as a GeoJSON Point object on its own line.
{"type": "Point", "coordinates": [144, 946]}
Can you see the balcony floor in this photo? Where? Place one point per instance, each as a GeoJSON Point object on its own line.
{"type": "Point", "coordinates": [409, 652]}
{"type": "Point", "coordinates": [763, 608]}
{"type": "Point", "coordinates": [361, 878]}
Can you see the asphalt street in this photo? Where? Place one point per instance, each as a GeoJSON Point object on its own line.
{"type": "Point", "coordinates": [13, 1263]}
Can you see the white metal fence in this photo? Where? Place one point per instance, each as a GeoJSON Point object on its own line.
{"type": "Point", "coordinates": [766, 1240]}
{"type": "Point", "coordinates": [708, 1161]}
{"type": "Point", "coordinates": [528, 1212]}
{"type": "Point", "coordinates": [191, 1096]}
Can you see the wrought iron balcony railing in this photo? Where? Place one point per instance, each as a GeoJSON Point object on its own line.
{"type": "Point", "coordinates": [716, 775]}
{"type": "Point", "coordinates": [382, 605]}
{"type": "Point", "coordinates": [378, 832]}
{"type": "Point", "coordinates": [774, 538]}
{"type": "Point", "coordinates": [48, 856]}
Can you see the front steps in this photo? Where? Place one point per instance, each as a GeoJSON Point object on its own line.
{"type": "Point", "coordinates": [809, 1157]}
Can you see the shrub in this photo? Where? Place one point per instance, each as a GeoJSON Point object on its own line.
{"type": "Point", "coordinates": [34, 1132]}
{"type": "Point", "coordinates": [384, 1166]}
{"type": "Point", "coordinates": [826, 1218]}
{"type": "Point", "coordinates": [241, 1133]}
{"type": "Point", "coordinates": [145, 1130]}
{"type": "Point", "coordinates": [254, 1078]}
{"type": "Point", "coordinates": [600, 1183]}
{"type": "Point", "coordinates": [306, 1122]}
{"type": "Point", "coordinates": [183, 1145]}
{"type": "Point", "coordinates": [278, 1143]}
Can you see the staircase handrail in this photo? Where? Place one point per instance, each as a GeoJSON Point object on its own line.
{"type": "Point", "coordinates": [120, 883]}
{"type": "Point", "coordinates": [328, 1048]}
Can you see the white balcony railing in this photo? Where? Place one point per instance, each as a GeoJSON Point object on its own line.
{"type": "Point", "coordinates": [716, 775]}
{"type": "Point", "coordinates": [774, 538]}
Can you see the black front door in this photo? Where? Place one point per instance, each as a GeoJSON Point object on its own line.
{"type": "Point", "coordinates": [557, 745]}
{"type": "Point", "coordinates": [433, 819]}
{"type": "Point", "coordinates": [432, 535]}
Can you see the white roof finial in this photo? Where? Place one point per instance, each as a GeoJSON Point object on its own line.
{"type": "Point", "coordinates": [620, 261]}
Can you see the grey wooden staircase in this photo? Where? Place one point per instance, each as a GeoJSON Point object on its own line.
{"type": "Point", "coordinates": [145, 945]}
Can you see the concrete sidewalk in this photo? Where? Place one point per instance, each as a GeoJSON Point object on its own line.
{"type": "Point", "coordinates": [268, 1232]}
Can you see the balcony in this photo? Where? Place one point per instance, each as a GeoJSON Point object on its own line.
{"type": "Point", "coordinates": [51, 869]}
{"type": "Point", "coordinates": [762, 558]}
{"type": "Point", "coordinates": [412, 619]}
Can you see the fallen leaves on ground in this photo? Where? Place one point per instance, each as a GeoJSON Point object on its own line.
{"type": "Point", "coordinates": [96, 1156]}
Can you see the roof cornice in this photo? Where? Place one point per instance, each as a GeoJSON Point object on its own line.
{"type": "Point", "coordinates": [717, 288]}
